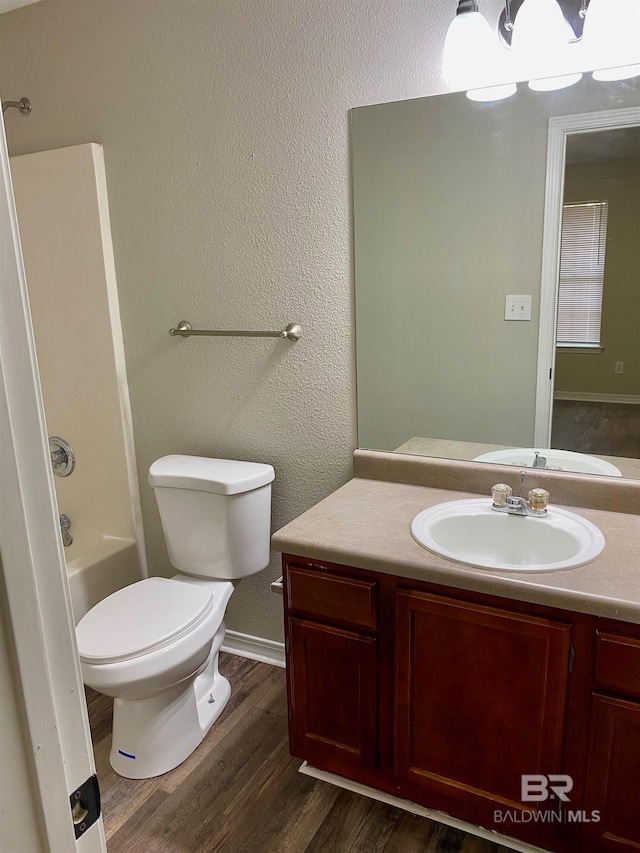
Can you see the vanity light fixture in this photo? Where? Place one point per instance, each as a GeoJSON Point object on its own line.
{"type": "Point", "coordinates": [472, 59]}
{"type": "Point", "coordinates": [548, 49]}
{"type": "Point", "coordinates": [466, 45]}
{"type": "Point", "coordinates": [612, 39]}
{"type": "Point", "coordinates": [541, 30]}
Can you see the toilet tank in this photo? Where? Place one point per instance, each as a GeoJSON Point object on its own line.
{"type": "Point", "coordinates": [215, 513]}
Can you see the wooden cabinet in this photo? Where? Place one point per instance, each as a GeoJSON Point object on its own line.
{"type": "Point", "coordinates": [333, 668]}
{"type": "Point", "coordinates": [480, 698]}
{"type": "Point", "coordinates": [446, 698]}
{"type": "Point", "coordinates": [613, 776]}
{"type": "Point", "coordinates": [333, 695]}
{"type": "Point", "coordinates": [613, 773]}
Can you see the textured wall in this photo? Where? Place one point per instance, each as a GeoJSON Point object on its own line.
{"type": "Point", "coordinates": [225, 129]}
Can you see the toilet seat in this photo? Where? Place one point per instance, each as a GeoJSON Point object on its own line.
{"type": "Point", "coordinates": [140, 619]}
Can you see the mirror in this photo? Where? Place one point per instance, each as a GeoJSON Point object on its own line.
{"type": "Point", "coordinates": [451, 242]}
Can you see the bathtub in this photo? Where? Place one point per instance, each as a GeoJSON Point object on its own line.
{"type": "Point", "coordinates": [107, 565]}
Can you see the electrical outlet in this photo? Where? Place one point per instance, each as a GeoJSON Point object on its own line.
{"type": "Point", "coordinates": [517, 308]}
{"type": "Point", "coordinates": [619, 367]}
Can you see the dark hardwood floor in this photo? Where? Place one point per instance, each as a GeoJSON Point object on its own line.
{"type": "Point", "coordinates": [607, 429]}
{"type": "Point", "coordinates": [240, 791]}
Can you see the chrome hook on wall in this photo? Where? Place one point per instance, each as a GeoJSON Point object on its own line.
{"type": "Point", "coordinates": [23, 106]}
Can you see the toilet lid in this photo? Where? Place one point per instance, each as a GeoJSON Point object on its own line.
{"type": "Point", "coordinates": [141, 618]}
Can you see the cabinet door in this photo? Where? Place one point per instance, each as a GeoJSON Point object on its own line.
{"type": "Point", "coordinates": [480, 701]}
{"type": "Point", "coordinates": [613, 776]}
{"type": "Point", "coordinates": [333, 696]}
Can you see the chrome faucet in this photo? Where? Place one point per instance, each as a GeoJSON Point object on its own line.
{"type": "Point", "coordinates": [65, 528]}
{"type": "Point", "coordinates": [535, 504]}
{"type": "Point", "coordinates": [539, 461]}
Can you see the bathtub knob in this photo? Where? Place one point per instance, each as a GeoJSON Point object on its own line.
{"type": "Point", "coordinates": [63, 459]}
{"type": "Point", "coordinates": [65, 525]}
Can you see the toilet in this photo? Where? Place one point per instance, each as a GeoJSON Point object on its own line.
{"type": "Point", "coordinates": [154, 645]}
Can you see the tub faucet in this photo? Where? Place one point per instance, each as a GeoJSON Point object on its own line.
{"type": "Point", "coordinates": [65, 527]}
{"type": "Point", "coordinates": [539, 461]}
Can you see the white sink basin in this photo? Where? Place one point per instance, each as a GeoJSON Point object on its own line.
{"type": "Point", "coordinates": [557, 460]}
{"type": "Point", "coordinates": [471, 532]}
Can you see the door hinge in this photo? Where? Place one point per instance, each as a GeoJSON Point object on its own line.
{"type": "Point", "coordinates": [85, 805]}
{"type": "Point", "coordinates": [290, 713]}
{"type": "Point", "coordinates": [572, 658]}
{"type": "Point", "coordinates": [550, 373]}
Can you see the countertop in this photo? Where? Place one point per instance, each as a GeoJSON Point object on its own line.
{"type": "Point", "coordinates": [450, 449]}
{"type": "Point", "coordinates": [366, 524]}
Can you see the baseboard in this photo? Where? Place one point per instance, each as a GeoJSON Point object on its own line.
{"type": "Point", "coordinates": [256, 648]}
{"type": "Point", "coordinates": [586, 397]}
{"type": "Point", "coordinates": [414, 808]}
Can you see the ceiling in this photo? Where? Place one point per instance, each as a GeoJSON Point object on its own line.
{"type": "Point", "coordinates": [604, 145]}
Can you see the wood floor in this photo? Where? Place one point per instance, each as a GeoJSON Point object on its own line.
{"type": "Point", "coordinates": [240, 791]}
{"type": "Point", "coordinates": [608, 429]}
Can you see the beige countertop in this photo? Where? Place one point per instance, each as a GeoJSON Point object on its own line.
{"type": "Point", "coordinates": [366, 524]}
{"type": "Point", "coordinates": [450, 449]}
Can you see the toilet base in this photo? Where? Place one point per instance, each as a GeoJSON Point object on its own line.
{"type": "Point", "coordinates": [154, 735]}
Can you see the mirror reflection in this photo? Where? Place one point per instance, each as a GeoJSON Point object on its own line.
{"type": "Point", "coordinates": [451, 322]}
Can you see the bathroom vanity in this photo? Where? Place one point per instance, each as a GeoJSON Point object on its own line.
{"type": "Point", "coordinates": [443, 684]}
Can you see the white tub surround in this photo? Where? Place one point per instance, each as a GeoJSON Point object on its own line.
{"type": "Point", "coordinates": [63, 214]}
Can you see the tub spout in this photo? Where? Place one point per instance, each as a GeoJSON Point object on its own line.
{"type": "Point", "coordinates": [65, 527]}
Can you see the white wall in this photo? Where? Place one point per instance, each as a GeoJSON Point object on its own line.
{"type": "Point", "coordinates": [225, 129]}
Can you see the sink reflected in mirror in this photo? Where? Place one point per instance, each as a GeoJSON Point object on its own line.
{"type": "Point", "coordinates": [471, 532]}
{"type": "Point", "coordinates": [550, 459]}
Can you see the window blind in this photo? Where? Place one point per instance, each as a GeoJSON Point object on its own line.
{"type": "Point", "coordinates": [582, 253]}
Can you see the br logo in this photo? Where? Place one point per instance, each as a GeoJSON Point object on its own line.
{"type": "Point", "coordinates": [536, 788]}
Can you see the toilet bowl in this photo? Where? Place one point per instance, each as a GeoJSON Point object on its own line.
{"type": "Point", "coordinates": [154, 645]}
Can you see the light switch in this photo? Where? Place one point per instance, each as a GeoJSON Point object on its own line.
{"type": "Point", "coordinates": [517, 308]}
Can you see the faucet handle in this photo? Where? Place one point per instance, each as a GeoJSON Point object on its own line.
{"type": "Point", "coordinates": [499, 494]}
{"type": "Point", "coordinates": [538, 499]}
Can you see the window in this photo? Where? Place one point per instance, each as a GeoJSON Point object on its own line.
{"type": "Point", "coordinates": [582, 251]}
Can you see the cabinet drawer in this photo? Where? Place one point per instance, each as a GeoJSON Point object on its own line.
{"type": "Point", "coordinates": [344, 600]}
{"type": "Point", "coordinates": [618, 664]}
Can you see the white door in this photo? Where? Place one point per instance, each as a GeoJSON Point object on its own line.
{"type": "Point", "coordinates": [33, 570]}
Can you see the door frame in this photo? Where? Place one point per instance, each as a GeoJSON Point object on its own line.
{"type": "Point", "coordinates": [559, 129]}
{"type": "Point", "coordinates": [33, 568]}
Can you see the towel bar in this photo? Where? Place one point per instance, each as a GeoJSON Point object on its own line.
{"type": "Point", "coordinates": [184, 330]}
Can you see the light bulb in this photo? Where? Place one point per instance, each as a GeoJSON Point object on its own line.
{"type": "Point", "coordinates": [492, 93]}
{"type": "Point", "coordinates": [612, 39]}
{"type": "Point", "coordinates": [540, 45]}
{"type": "Point", "coordinates": [467, 45]}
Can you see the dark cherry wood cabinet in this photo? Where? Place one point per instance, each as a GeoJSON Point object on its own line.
{"type": "Point", "coordinates": [613, 772]}
{"type": "Point", "coordinates": [613, 788]}
{"type": "Point", "coordinates": [447, 697]}
{"type": "Point", "coordinates": [480, 695]}
{"type": "Point", "coordinates": [333, 695]}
